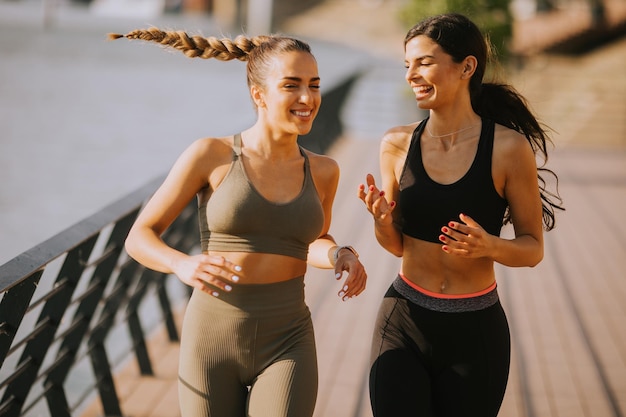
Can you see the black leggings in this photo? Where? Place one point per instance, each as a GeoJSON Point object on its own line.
{"type": "Point", "coordinates": [437, 363]}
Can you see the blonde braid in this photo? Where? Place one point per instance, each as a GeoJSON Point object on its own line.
{"type": "Point", "coordinates": [197, 46]}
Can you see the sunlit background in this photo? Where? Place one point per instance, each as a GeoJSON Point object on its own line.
{"type": "Point", "coordinates": [84, 121]}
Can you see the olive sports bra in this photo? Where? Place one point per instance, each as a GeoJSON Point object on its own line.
{"type": "Point", "coordinates": [237, 218]}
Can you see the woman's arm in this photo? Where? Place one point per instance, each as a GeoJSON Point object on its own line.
{"type": "Point", "coordinates": [188, 176]}
{"type": "Point", "coordinates": [323, 250]}
{"type": "Point", "coordinates": [515, 173]}
{"type": "Point", "coordinates": [381, 203]}
{"type": "Point", "coordinates": [521, 190]}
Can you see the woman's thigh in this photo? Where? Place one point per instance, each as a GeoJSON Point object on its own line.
{"type": "Point", "coordinates": [438, 364]}
{"type": "Point", "coordinates": [286, 385]}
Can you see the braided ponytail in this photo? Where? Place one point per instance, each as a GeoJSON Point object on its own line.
{"type": "Point", "coordinates": [257, 51]}
{"type": "Point", "coordinates": [197, 46]}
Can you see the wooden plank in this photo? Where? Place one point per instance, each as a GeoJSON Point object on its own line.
{"type": "Point", "coordinates": [566, 313]}
{"type": "Point", "coordinates": [167, 405]}
{"type": "Point", "coordinates": [591, 267]}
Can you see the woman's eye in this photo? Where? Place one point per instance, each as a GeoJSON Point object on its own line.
{"type": "Point", "coordinates": [316, 87]}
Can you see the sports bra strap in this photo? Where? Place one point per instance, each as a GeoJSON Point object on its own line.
{"type": "Point", "coordinates": [237, 145]}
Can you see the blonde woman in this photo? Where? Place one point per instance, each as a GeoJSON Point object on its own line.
{"type": "Point", "coordinates": [247, 345]}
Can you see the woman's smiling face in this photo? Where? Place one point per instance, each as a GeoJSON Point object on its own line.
{"type": "Point", "coordinates": [434, 77]}
{"type": "Point", "coordinates": [291, 96]}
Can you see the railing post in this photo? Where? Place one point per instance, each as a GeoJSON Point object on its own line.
{"type": "Point", "coordinates": [185, 236]}
{"type": "Point", "coordinates": [57, 402]}
{"type": "Point", "coordinates": [12, 310]}
{"type": "Point", "coordinates": [47, 324]}
{"type": "Point", "coordinates": [97, 353]}
{"type": "Point", "coordinates": [134, 324]}
{"type": "Point", "coordinates": [106, 386]}
{"type": "Point", "coordinates": [166, 307]}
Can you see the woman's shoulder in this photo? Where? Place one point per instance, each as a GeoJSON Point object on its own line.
{"type": "Point", "coordinates": [398, 138]}
{"type": "Point", "coordinates": [324, 171]}
{"type": "Point", "coordinates": [211, 148]}
{"type": "Point", "coordinates": [512, 148]}
{"type": "Point", "coordinates": [204, 155]}
{"type": "Point", "coordinates": [321, 162]}
{"type": "Point", "coordinates": [213, 144]}
{"type": "Point", "coordinates": [508, 139]}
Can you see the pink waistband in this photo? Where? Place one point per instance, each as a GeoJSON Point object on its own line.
{"type": "Point", "coordinates": [449, 296]}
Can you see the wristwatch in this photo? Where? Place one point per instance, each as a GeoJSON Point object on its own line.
{"type": "Point", "coordinates": [339, 248]}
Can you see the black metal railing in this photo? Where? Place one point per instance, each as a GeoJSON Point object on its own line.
{"type": "Point", "coordinates": [62, 302]}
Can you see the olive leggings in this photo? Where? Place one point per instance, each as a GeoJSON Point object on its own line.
{"type": "Point", "coordinates": [438, 357]}
{"type": "Point", "coordinates": [250, 352]}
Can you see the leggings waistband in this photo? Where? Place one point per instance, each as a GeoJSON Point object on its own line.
{"type": "Point", "coordinates": [456, 304]}
{"type": "Point", "coordinates": [259, 300]}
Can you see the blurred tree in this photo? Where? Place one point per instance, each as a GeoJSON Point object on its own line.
{"type": "Point", "coordinates": [492, 16]}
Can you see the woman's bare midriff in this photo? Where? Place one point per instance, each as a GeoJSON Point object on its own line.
{"type": "Point", "coordinates": [264, 268]}
{"type": "Point", "coordinates": [429, 267]}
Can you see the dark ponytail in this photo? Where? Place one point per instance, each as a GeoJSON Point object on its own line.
{"type": "Point", "coordinates": [504, 105]}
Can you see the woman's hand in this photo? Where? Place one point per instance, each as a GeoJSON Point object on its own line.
{"type": "Point", "coordinates": [467, 239]}
{"type": "Point", "coordinates": [207, 273]}
{"type": "Point", "coordinates": [375, 201]}
{"type": "Point", "coordinates": [357, 277]}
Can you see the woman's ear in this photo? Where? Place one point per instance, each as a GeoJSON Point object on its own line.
{"type": "Point", "coordinates": [469, 66]}
{"type": "Point", "coordinates": [257, 96]}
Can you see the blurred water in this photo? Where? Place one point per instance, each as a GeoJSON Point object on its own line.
{"type": "Point", "coordinates": [84, 121]}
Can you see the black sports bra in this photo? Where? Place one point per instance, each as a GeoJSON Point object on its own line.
{"type": "Point", "coordinates": [426, 206]}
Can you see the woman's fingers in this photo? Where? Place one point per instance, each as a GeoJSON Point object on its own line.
{"type": "Point", "coordinates": [357, 277]}
{"type": "Point", "coordinates": [216, 273]}
{"type": "Point", "coordinates": [368, 192]}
